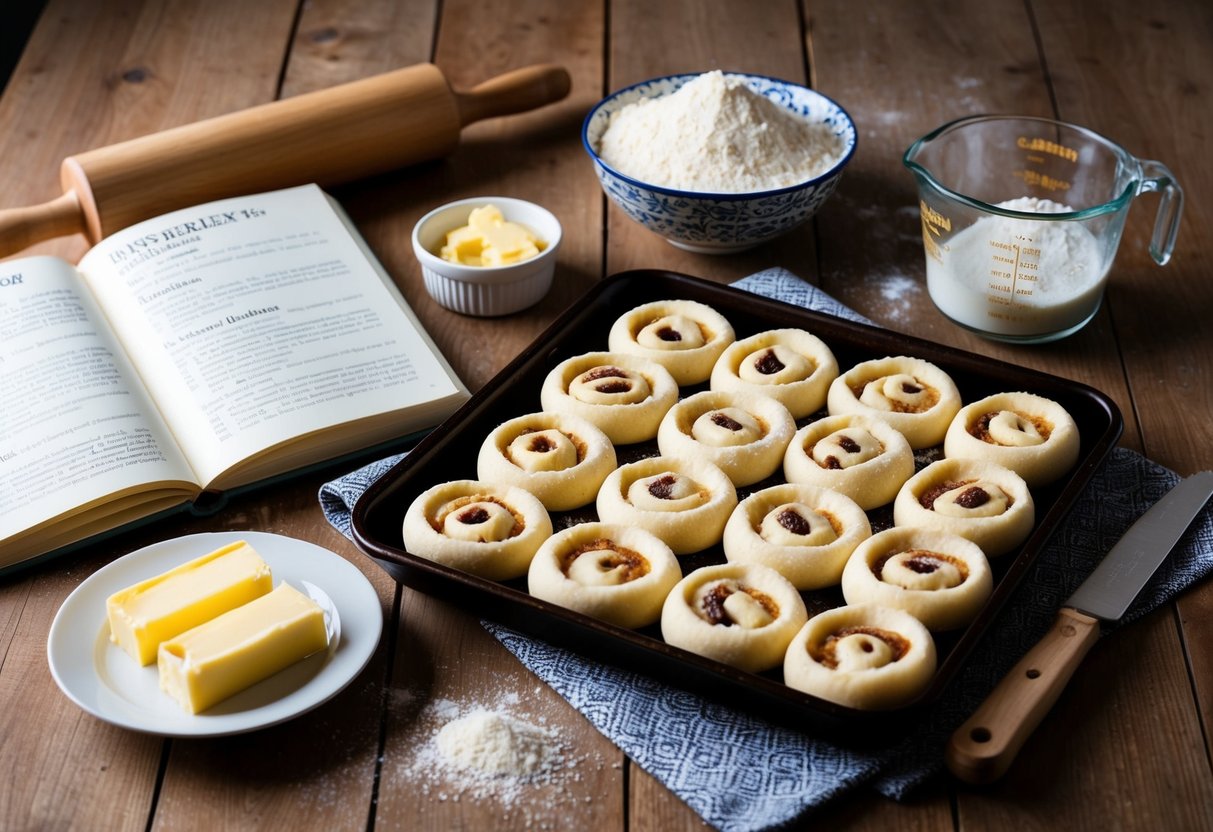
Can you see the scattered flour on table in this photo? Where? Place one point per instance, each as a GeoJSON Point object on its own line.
{"type": "Point", "coordinates": [469, 751]}
{"type": "Point", "coordinates": [715, 134]}
{"type": "Point", "coordinates": [899, 293]}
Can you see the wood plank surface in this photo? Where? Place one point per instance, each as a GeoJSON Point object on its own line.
{"type": "Point", "coordinates": [338, 41]}
{"type": "Point", "coordinates": [1127, 746]}
{"type": "Point", "coordinates": [975, 67]}
{"type": "Point", "coordinates": [83, 769]}
{"type": "Point", "coordinates": [1161, 313]}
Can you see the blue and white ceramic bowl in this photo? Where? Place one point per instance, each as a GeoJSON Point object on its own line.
{"type": "Point", "coordinates": [718, 223]}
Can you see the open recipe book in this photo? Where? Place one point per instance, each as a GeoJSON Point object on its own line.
{"type": "Point", "coordinates": [201, 351]}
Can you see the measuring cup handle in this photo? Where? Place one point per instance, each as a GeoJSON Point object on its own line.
{"type": "Point", "coordinates": [1156, 177]}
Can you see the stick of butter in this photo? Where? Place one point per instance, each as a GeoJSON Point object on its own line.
{"type": "Point", "coordinates": [143, 615]}
{"type": "Point", "coordinates": [222, 657]}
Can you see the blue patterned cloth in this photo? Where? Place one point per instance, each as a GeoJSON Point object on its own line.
{"type": "Point", "coordinates": [739, 772]}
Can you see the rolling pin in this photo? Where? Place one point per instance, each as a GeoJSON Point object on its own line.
{"type": "Point", "coordinates": [329, 137]}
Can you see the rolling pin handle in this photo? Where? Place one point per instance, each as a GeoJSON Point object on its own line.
{"type": "Point", "coordinates": [22, 227]}
{"type": "Point", "coordinates": [514, 92]}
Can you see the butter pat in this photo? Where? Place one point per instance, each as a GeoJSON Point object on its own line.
{"type": "Point", "coordinates": [151, 611]}
{"type": "Point", "coordinates": [490, 240]}
{"type": "Point", "coordinates": [222, 657]}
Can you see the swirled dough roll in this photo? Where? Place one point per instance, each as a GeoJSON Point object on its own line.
{"type": "Point", "coordinates": [1033, 436]}
{"type": "Point", "coordinates": [684, 336]}
{"type": "Point", "coordinates": [560, 458]}
{"type": "Point", "coordinates": [863, 457]}
{"type": "Point", "coordinates": [488, 530]}
{"type": "Point", "coordinates": [741, 614]}
{"type": "Point", "coordinates": [625, 396]}
{"type": "Point", "coordinates": [791, 366]}
{"type": "Point", "coordinates": [939, 578]}
{"type": "Point", "coordinates": [685, 502]}
{"type": "Point", "coordinates": [615, 573]}
{"type": "Point", "coordinates": [743, 434]}
{"type": "Point", "coordinates": [803, 532]}
{"type": "Point", "coordinates": [863, 656]}
{"type": "Point", "coordinates": [983, 501]}
{"type": "Point", "coordinates": [914, 396]}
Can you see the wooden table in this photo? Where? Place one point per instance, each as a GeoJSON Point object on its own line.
{"type": "Point", "coordinates": [1126, 748]}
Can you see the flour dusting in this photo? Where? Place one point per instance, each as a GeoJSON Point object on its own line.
{"type": "Point", "coordinates": [486, 750]}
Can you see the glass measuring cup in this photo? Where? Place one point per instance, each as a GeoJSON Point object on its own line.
{"type": "Point", "coordinates": [1021, 218]}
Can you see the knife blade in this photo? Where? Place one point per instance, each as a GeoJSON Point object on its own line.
{"type": "Point", "coordinates": [983, 748]}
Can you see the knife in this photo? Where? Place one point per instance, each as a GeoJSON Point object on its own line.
{"type": "Point", "coordinates": [982, 749]}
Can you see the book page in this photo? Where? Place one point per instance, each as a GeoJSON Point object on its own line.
{"type": "Point", "coordinates": [257, 319]}
{"type": "Point", "coordinates": [78, 427]}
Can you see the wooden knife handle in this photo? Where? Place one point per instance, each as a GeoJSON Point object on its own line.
{"type": "Point", "coordinates": [981, 750]}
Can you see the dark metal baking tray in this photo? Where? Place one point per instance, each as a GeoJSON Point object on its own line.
{"type": "Point", "coordinates": [449, 452]}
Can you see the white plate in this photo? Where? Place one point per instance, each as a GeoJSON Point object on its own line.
{"type": "Point", "coordinates": [103, 680]}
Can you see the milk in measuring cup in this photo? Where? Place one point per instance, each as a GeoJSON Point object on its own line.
{"type": "Point", "coordinates": [1019, 277]}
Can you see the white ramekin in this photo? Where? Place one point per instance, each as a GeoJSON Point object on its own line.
{"type": "Point", "coordinates": [486, 290]}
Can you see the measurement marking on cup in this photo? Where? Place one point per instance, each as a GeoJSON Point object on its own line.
{"type": "Point", "coordinates": [1014, 269]}
{"type": "Point", "coordinates": [1015, 272]}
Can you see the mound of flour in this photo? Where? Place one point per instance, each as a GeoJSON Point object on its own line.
{"type": "Point", "coordinates": [495, 743]}
{"type": "Point", "coordinates": [716, 134]}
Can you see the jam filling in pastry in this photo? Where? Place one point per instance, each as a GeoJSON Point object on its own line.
{"type": "Point", "coordinates": [982, 501]}
{"type": "Point", "coordinates": [803, 532]}
{"type": "Point", "coordinates": [745, 435]}
{"type": "Point", "coordinates": [624, 396]}
{"type": "Point", "coordinates": [941, 579]}
{"type": "Point", "coordinates": [610, 385]}
{"type": "Point", "coordinates": [740, 614]}
{"type": "Point", "coordinates": [860, 456]}
{"type": "Point", "coordinates": [914, 396]}
{"type": "Point", "coordinates": [685, 502]}
{"type": "Point", "coordinates": [684, 336]}
{"type": "Point", "coordinates": [1033, 436]}
{"type": "Point", "coordinates": [614, 573]}
{"type": "Point", "coordinates": [791, 366]}
{"type": "Point", "coordinates": [560, 458]}
{"type": "Point", "coordinates": [862, 656]}
{"type": "Point", "coordinates": [485, 529]}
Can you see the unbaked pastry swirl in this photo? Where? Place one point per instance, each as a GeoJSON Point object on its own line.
{"type": "Point", "coordinates": [941, 579]}
{"type": "Point", "coordinates": [684, 336]}
{"type": "Point", "coordinates": [741, 614]}
{"type": "Point", "coordinates": [560, 458]}
{"type": "Point", "coordinates": [803, 532]}
{"type": "Point", "coordinates": [488, 530]}
{"type": "Point", "coordinates": [615, 573]}
{"type": "Point", "coordinates": [982, 501]}
{"type": "Point", "coordinates": [860, 456]}
{"type": "Point", "coordinates": [743, 434]}
{"type": "Point", "coordinates": [914, 396]}
{"type": "Point", "coordinates": [1033, 436]}
{"type": "Point", "coordinates": [685, 502]}
{"type": "Point", "coordinates": [625, 396]}
{"type": "Point", "coordinates": [862, 656]}
{"type": "Point", "coordinates": [791, 366]}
